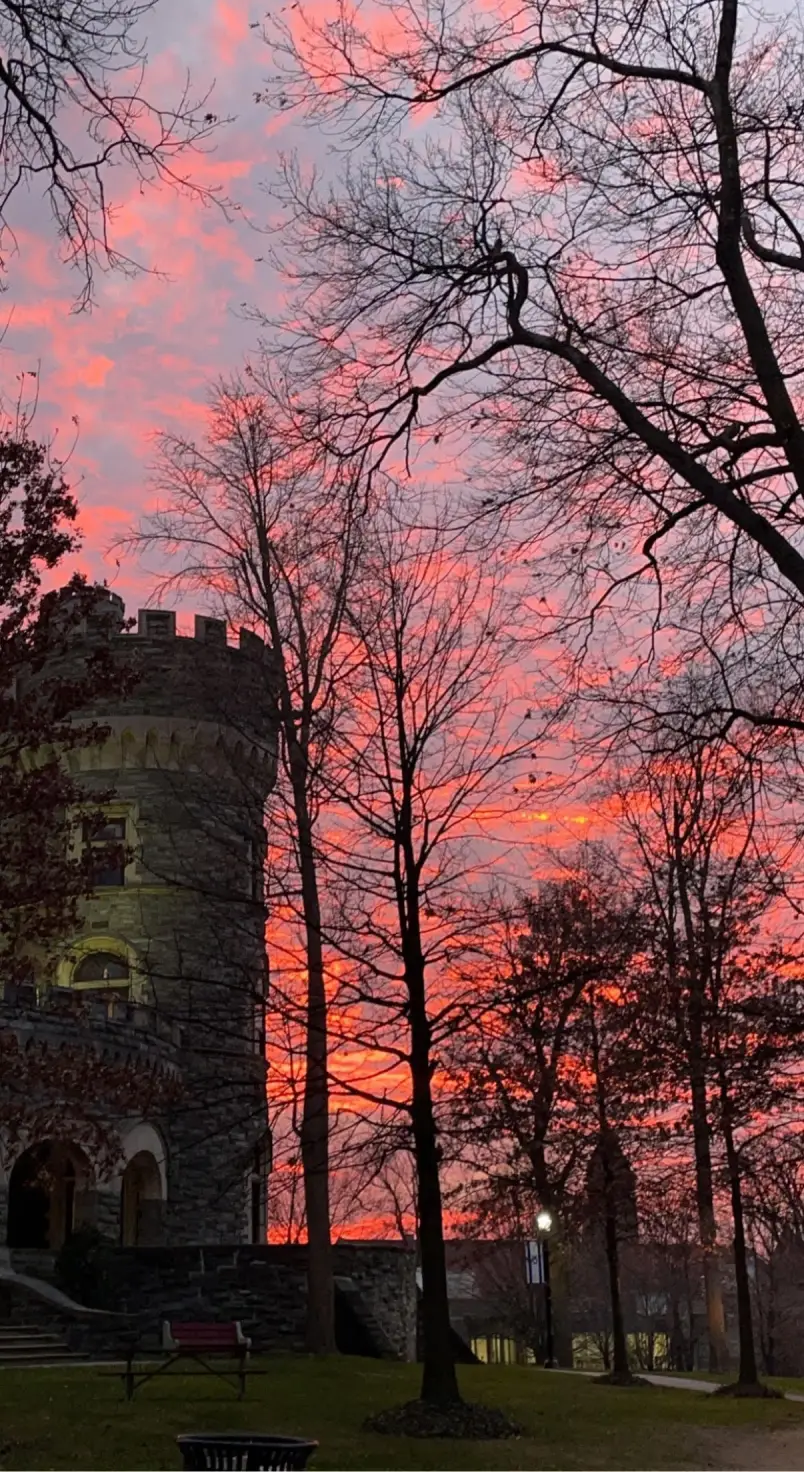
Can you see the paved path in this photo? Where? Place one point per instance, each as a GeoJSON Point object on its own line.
{"type": "Point", "coordinates": [674, 1382]}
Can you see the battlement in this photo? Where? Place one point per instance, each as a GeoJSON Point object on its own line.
{"type": "Point", "coordinates": [196, 691]}
{"type": "Point", "coordinates": [107, 616]}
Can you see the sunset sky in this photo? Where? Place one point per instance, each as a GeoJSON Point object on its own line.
{"type": "Point", "coordinates": [144, 357]}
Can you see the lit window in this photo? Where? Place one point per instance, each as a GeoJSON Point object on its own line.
{"type": "Point", "coordinates": [105, 839]}
{"type": "Point", "coordinates": [102, 968]}
{"type": "Point", "coordinates": [105, 975]}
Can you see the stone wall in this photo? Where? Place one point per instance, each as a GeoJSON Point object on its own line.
{"type": "Point", "coordinates": [384, 1275]}
{"type": "Point", "coordinates": [190, 759]}
{"type": "Point", "coordinates": [262, 1286]}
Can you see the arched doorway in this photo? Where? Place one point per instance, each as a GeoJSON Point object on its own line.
{"type": "Point", "coordinates": [45, 1192]}
{"type": "Point", "coordinates": [141, 1202]}
{"type": "Point", "coordinates": [28, 1203]}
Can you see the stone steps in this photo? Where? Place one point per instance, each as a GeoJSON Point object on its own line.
{"type": "Point", "coordinates": [27, 1345]}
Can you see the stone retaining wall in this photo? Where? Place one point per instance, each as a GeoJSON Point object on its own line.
{"type": "Point", "coordinates": [262, 1286]}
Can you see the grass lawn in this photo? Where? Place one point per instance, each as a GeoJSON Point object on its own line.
{"type": "Point", "coordinates": [77, 1418]}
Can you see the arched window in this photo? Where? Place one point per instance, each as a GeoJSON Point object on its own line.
{"type": "Point", "coordinates": [102, 969]}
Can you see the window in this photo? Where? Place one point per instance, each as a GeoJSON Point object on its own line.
{"type": "Point", "coordinates": [255, 858]}
{"type": "Point", "coordinates": [258, 1037]}
{"type": "Point", "coordinates": [105, 838]}
{"type": "Point", "coordinates": [103, 973]}
{"type": "Point", "coordinates": [99, 968]}
{"type": "Point", "coordinates": [256, 1209]}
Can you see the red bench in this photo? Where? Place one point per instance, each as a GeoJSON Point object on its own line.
{"type": "Point", "coordinates": [198, 1342]}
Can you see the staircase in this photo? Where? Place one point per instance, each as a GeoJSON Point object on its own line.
{"type": "Point", "coordinates": [357, 1329]}
{"type": "Point", "coordinates": [27, 1345]}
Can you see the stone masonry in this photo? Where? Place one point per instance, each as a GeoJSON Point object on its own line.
{"type": "Point", "coordinates": [264, 1287]}
{"type": "Point", "coordinates": [189, 760]}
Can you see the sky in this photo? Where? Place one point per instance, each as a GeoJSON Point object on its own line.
{"type": "Point", "coordinates": [144, 358]}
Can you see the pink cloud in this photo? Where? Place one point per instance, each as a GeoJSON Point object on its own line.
{"type": "Point", "coordinates": [230, 30]}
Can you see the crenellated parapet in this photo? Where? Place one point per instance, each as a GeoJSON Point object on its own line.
{"type": "Point", "coordinates": [194, 701]}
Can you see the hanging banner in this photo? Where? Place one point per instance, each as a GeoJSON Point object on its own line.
{"type": "Point", "coordinates": [534, 1262]}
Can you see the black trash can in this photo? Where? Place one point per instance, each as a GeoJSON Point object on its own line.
{"type": "Point", "coordinates": [244, 1451]}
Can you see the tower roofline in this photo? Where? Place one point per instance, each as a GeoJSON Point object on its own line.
{"type": "Point", "coordinates": [107, 614]}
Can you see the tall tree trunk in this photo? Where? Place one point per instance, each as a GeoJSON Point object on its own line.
{"type": "Point", "coordinates": [620, 1348]}
{"type": "Point", "coordinates": [619, 1344]}
{"type": "Point", "coordinates": [320, 1328]}
{"type": "Point", "coordinates": [705, 1199]}
{"type": "Point", "coordinates": [747, 1373]}
{"type": "Point", "coordinates": [439, 1381]}
{"type": "Point", "coordinates": [698, 969]}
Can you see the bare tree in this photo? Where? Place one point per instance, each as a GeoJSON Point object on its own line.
{"type": "Point", "coordinates": [675, 843]}
{"type": "Point", "coordinates": [269, 530]}
{"type": "Point", "coordinates": [667, 1264]}
{"type": "Point", "coordinates": [510, 1059]}
{"type": "Point", "coordinates": [72, 81]}
{"type": "Point", "coordinates": [775, 1220]}
{"type": "Point", "coordinates": [428, 756]}
{"type": "Point", "coordinates": [588, 260]}
{"type": "Point", "coordinates": [720, 978]}
{"type": "Point", "coordinates": [547, 1070]}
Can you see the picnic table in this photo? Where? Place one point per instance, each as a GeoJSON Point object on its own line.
{"type": "Point", "coordinates": [200, 1342]}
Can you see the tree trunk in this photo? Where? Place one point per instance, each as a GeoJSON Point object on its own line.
{"type": "Point", "coordinates": [619, 1345]}
{"type": "Point", "coordinates": [620, 1348]}
{"type": "Point", "coordinates": [699, 970]}
{"type": "Point", "coordinates": [320, 1328]}
{"type": "Point", "coordinates": [769, 1350]}
{"type": "Point", "coordinates": [439, 1381]}
{"type": "Point", "coordinates": [705, 1198]}
{"type": "Point", "coordinates": [747, 1373]}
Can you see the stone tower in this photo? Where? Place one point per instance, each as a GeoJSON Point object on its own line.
{"type": "Point", "coordinates": [170, 955]}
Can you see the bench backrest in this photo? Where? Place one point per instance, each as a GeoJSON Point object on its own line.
{"type": "Point", "coordinates": [204, 1335]}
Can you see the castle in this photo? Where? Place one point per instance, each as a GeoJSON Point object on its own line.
{"type": "Point", "coordinates": [168, 967]}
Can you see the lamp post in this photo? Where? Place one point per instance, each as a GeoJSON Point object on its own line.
{"type": "Point", "coordinates": [544, 1223]}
